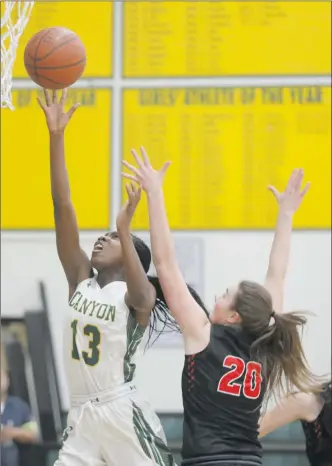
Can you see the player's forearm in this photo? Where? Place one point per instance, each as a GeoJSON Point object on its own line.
{"type": "Point", "coordinates": [162, 245]}
{"type": "Point", "coordinates": [280, 251]}
{"type": "Point", "coordinates": [138, 286]}
{"type": "Point", "coordinates": [299, 406]}
{"type": "Point", "coordinates": [59, 176]}
{"type": "Point", "coordinates": [24, 435]}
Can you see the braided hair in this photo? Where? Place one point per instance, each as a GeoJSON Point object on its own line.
{"type": "Point", "coordinates": [161, 320]}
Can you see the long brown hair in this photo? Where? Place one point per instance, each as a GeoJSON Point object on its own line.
{"type": "Point", "coordinates": [277, 342]}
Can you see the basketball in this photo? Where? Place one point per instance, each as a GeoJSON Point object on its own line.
{"type": "Point", "coordinates": [55, 58]}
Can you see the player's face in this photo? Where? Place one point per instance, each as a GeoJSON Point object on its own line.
{"type": "Point", "coordinates": [107, 252]}
{"type": "Point", "coordinates": [223, 312]}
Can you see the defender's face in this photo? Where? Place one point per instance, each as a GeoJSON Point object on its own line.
{"type": "Point", "coordinates": [107, 251]}
{"type": "Point", "coordinates": [223, 312]}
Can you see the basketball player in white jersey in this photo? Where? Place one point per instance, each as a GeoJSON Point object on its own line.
{"type": "Point", "coordinates": [108, 423]}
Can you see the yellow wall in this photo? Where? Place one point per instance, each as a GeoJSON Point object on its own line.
{"type": "Point", "coordinates": [226, 143]}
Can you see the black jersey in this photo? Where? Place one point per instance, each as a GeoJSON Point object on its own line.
{"type": "Point", "coordinates": [318, 434]}
{"type": "Point", "coordinates": [222, 389]}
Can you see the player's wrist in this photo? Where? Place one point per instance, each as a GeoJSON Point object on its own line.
{"type": "Point", "coordinates": [56, 134]}
{"type": "Point", "coordinates": [154, 191]}
{"type": "Point", "coordinates": [286, 213]}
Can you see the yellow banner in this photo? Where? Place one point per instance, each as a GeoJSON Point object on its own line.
{"type": "Point", "coordinates": [227, 145]}
{"type": "Point", "coordinates": [91, 21]}
{"type": "Point", "coordinates": [164, 39]}
{"type": "Point", "coordinates": [25, 179]}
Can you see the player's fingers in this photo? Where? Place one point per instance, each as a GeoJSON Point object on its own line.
{"type": "Point", "coordinates": [63, 97]}
{"type": "Point", "coordinates": [131, 167]}
{"type": "Point", "coordinates": [41, 105]}
{"type": "Point", "coordinates": [305, 189]}
{"type": "Point", "coordinates": [54, 97]}
{"type": "Point", "coordinates": [291, 181]}
{"type": "Point", "coordinates": [298, 179]}
{"type": "Point", "coordinates": [130, 177]}
{"type": "Point", "coordinates": [72, 110]}
{"type": "Point", "coordinates": [137, 158]}
{"type": "Point", "coordinates": [145, 157]}
{"type": "Point", "coordinates": [274, 191]}
{"type": "Point", "coordinates": [47, 97]}
{"type": "Point", "coordinates": [136, 190]}
{"type": "Point", "coordinates": [128, 189]}
{"type": "Point", "coordinates": [164, 168]}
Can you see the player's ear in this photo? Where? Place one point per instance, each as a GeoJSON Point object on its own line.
{"type": "Point", "coordinates": [234, 317]}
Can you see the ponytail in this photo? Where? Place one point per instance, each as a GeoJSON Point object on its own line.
{"type": "Point", "coordinates": [280, 351]}
{"type": "Point", "coordinates": [277, 344]}
{"type": "Point", "coordinates": [161, 320]}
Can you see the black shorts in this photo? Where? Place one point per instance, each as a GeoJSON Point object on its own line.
{"type": "Point", "coordinates": [226, 460]}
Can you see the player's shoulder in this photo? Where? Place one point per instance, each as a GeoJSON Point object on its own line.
{"type": "Point", "coordinates": [230, 340]}
{"type": "Point", "coordinates": [230, 333]}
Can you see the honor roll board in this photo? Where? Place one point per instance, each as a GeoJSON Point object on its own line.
{"type": "Point", "coordinates": [25, 174]}
{"type": "Point", "coordinates": [205, 39]}
{"type": "Point", "coordinates": [227, 145]}
{"type": "Point", "coordinates": [91, 21]}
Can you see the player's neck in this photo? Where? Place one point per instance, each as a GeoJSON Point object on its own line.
{"type": "Point", "coordinates": [107, 276]}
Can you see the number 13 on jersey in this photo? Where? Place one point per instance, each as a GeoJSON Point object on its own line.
{"type": "Point", "coordinates": [252, 384]}
{"type": "Point", "coordinates": [91, 357]}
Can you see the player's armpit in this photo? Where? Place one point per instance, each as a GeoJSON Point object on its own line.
{"type": "Point", "coordinates": [142, 318]}
{"type": "Point", "coordinates": [142, 315]}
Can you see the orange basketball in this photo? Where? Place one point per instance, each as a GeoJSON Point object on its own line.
{"type": "Point", "coordinates": [55, 58]}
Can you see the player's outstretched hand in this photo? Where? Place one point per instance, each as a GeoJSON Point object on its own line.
{"type": "Point", "coordinates": [127, 212]}
{"type": "Point", "coordinates": [290, 200]}
{"type": "Point", "coordinates": [53, 108]}
{"type": "Point", "coordinates": [144, 174]}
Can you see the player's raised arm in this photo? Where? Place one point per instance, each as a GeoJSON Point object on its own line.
{"type": "Point", "coordinates": [141, 294]}
{"type": "Point", "coordinates": [289, 202]}
{"type": "Point", "coordinates": [188, 314]}
{"type": "Point", "coordinates": [297, 407]}
{"type": "Point", "coordinates": [73, 259]}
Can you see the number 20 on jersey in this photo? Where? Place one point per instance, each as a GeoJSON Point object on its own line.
{"type": "Point", "coordinates": [252, 384]}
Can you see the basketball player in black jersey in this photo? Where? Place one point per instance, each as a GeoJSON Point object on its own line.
{"type": "Point", "coordinates": [239, 354]}
{"type": "Point", "coordinates": [314, 410]}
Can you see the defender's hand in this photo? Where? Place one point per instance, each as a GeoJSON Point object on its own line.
{"type": "Point", "coordinates": [144, 174]}
{"type": "Point", "coordinates": [290, 200]}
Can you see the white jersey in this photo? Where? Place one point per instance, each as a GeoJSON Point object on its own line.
{"type": "Point", "coordinates": [101, 338]}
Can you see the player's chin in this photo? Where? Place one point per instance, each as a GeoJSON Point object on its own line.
{"type": "Point", "coordinates": [213, 318]}
{"type": "Point", "coordinates": [97, 260]}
